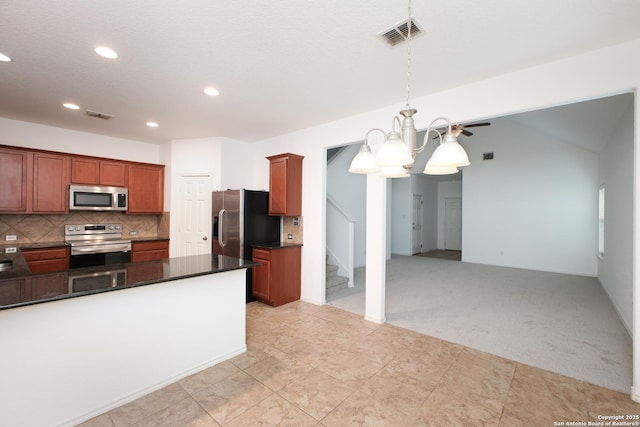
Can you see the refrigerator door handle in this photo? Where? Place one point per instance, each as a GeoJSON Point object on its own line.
{"type": "Point", "coordinates": [221, 228]}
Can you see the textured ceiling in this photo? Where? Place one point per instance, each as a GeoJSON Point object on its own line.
{"type": "Point", "coordinates": [279, 65]}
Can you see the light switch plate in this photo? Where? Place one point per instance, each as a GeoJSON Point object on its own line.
{"type": "Point", "coordinates": [11, 250]}
{"type": "Point", "coordinates": [10, 237]}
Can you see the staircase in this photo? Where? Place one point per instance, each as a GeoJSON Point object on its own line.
{"type": "Point", "coordinates": [334, 282]}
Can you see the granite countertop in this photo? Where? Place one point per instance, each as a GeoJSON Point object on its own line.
{"type": "Point", "coordinates": [18, 288]}
{"type": "Point", "coordinates": [276, 245]}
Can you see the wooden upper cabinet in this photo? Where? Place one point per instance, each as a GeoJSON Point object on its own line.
{"type": "Point", "coordinates": [113, 173]}
{"type": "Point", "coordinates": [90, 171]}
{"type": "Point", "coordinates": [146, 188]}
{"type": "Point", "coordinates": [285, 185]}
{"type": "Point", "coordinates": [14, 166]}
{"type": "Point", "coordinates": [50, 183]}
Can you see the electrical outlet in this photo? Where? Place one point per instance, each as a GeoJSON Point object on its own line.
{"type": "Point", "coordinates": [10, 237]}
{"type": "Point", "coordinates": [11, 250]}
{"type": "Point", "coordinates": [290, 236]}
{"type": "Point", "coordinates": [296, 221]}
{"type": "Point", "coordinates": [133, 233]}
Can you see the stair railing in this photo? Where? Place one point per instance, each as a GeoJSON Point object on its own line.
{"type": "Point", "coordinates": [340, 239]}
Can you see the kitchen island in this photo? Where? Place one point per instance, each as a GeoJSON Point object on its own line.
{"type": "Point", "coordinates": [70, 356]}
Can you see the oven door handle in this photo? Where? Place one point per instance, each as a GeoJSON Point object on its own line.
{"type": "Point", "coordinates": [93, 250]}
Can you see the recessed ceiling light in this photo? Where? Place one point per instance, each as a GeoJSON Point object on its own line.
{"type": "Point", "coordinates": [152, 124]}
{"type": "Point", "coordinates": [212, 91]}
{"type": "Point", "coordinates": [70, 106]}
{"type": "Point", "coordinates": [4, 58]}
{"type": "Point", "coordinates": [106, 52]}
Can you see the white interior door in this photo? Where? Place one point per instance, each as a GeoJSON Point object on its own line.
{"type": "Point", "coordinates": [416, 237]}
{"type": "Point", "coordinates": [194, 218]}
{"type": "Point", "coordinates": [453, 223]}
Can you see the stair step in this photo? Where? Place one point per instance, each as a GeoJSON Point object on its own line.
{"type": "Point", "coordinates": [335, 283]}
{"type": "Point", "coordinates": [332, 270]}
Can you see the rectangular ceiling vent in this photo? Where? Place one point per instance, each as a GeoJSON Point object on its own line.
{"type": "Point", "coordinates": [400, 33]}
{"type": "Point", "coordinates": [97, 115]}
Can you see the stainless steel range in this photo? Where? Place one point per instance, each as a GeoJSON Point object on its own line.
{"type": "Point", "coordinates": [96, 244]}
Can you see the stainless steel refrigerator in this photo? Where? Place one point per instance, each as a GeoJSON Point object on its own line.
{"type": "Point", "coordinates": [240, 220]}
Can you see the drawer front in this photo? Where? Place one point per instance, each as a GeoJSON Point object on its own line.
{"type": "Point", "coordinates": [48, 265]}
{"type": "Point", "coordinates": [138, 256]}
{"type": "Point", "coordinates": [261, 253]}
{"type": "Point", "coordinates": [150, 246]}
{"type": "Point", "coordinates": [44, 254]}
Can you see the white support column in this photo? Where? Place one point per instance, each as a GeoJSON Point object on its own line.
{"type": "Point", "coordinates": [376, 248]}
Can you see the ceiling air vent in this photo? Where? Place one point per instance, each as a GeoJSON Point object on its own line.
{"type": "Point", "coordinates": [400, 33]}
{"type": "Point", "coordinates": [97, 115]}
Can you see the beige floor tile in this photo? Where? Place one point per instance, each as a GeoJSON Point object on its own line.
{"type": "Point", "coordinates": [271, 412]}
{"type": "Point", "coordinates": [602, 401]}
{"type": "Point", "coordinates": [207, 377]}
{"type": "Point", "coordinates": [232, 397]}
{"type": "Point", "coordinates": [249, 358]}
{"type": "Point", "coordinates": [349, 322]}
{"type": "Point", "coordinates": [139, 409]}
{"type": "Point", "coordinates": [404, 384]}
{"type": "Point", "coordinates": [433, 351]}
{"type": "Point", "coordinates": [316, 393]}
{"type": "Point", "coordinates": [103, 420]}
{"type": "Point", "coordinates": [444, 410]}
{"type": "Point", "coordinates": [186, 413]}
{"type": "Point", "coordinates": [360, 409]}
{"type": "Point", "coordinates": [276, 372]}
{"type": "Point", "coordinates": [353, 365]}
{"type": "Point", "coordinates": [318, 365]}
{"type": "Point", "coordinates": [478, 378]}
{"type": "Point", "coordinates": [538, 396]}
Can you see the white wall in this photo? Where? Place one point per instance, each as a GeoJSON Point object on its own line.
{"type": "Point", "coordinates": [428, 188]}
{"type": "Point", "coordinates": [447, 189]}
{"type": "Point", "coordinates": [615, 270]}
{"type": "Point", "coordinates": [400, 220]}
{"type": "Point", "coordinates": [349, 191]}
{"type": "Point", "coordinates": [533, 206]}
{"type": "Point", "coordinates": [31, 135]}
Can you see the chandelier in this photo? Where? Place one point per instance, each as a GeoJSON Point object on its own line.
{"type": "Point", "coordinates": [396, 156]}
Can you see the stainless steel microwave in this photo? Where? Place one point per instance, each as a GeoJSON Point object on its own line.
{"type": "Point", "coordinates": [97, 198]}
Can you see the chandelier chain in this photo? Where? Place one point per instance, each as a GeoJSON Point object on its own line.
{"type": "Point", "coordinates": [409, 55]}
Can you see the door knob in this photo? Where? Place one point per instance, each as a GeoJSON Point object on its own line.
{"type": "Point", "coordinates": [204, 238]}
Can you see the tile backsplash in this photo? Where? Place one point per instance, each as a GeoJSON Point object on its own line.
{"type": "Point", "coordinates": [50, 228]}
{"type": "Point", "coordinates": [292, 225]}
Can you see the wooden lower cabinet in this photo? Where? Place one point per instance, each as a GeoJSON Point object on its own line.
{"type": "Point", "coordinates": [49, 285]}
{"type": "Point", "coordinates": [47, 260]}
{"type": "Point", "coordinates": [149, 250]}
{"type": "Point", "coordinates": [277, 280]}
{"type": "Point", "coordinates": [13, 291]}
{"type": "Point", "coordinates": [144, 272]}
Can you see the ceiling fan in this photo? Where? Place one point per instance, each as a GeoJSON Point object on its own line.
{"type": "Point", "coordinates": [458, 129]}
